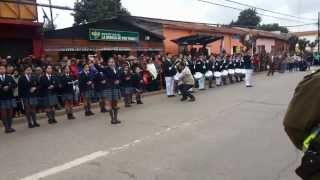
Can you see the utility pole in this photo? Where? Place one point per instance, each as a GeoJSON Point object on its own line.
{"type": "Point", "coordinates": [51, 16]}
{"type": "Point", "coordinates": [319, 34]}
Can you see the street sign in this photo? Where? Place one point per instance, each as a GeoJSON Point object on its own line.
{"type": "Point", "coordinates": [109, 35]}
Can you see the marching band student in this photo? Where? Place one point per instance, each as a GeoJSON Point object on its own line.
{"type": "Point", "coordinates": [248, 69]}
{"type": "Point", "coordinates": [210, 67]}
{"type": "Point", "coordinates": [225, 67]}
{"type": "Point", "coordinates": [86, 86]}
{"type": "Point", "coordinates": [186, 82]}
{"type": "Point", "coordinates": [201, 68]}
{"type": "Point", "coordinates": [7, 100]}
{"type": "Point", "coordinates": [48, 84]}
{"type": "Point", "coordinates": [169, 72]}
{"type": "Point", "coordinates": [217, 72]}
{"type": "Point", "coordinates": [126, 86]}
{"type": "Point", "coordinates": [231, 68]}
{"type": "Point", "coordinates": [113, 90]}
{"type": "Point", "coordinates": [137, 84]}
{"type": "Point", "coordinates": [100, 84]}
{"type": "Point", "coordinates": [67, 83]}
{"type": "Point", "coordinates": [28, 92]}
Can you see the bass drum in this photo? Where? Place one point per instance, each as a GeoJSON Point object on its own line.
{"type": "Point", "coordinates": [198, 76]}
{"type": "Point", "coordinates": [217, 74]}
{"type": "Point", "coordinates": [225, 73]}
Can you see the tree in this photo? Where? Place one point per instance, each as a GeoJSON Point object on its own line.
{"type": "Point", "coordinates": [302, 44]}
{"type": "Point", "coordinates": [293, 40]}
{"type": "Point", "coordinates": [94, 10]}
{"type": "Point", "coordinates": [273, 27]}
{"type": "Point", "coordinates": [248, 18]}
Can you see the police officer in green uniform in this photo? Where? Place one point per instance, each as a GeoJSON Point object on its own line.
{"type": "Point", "coordinates": [302, 121]}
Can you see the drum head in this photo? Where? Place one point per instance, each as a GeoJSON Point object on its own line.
{"type": "Point", "coordinates": [225, 73]}
{"type": "Point", "coordinates": [209, 74]}
{"type": "Point", "coordinates": [198, 75]}
{"type": "Point", "coordinates": [231, 71]}
{"type": "Point", "coordinates": [217, 74]}
{"type": "Point", "coordinates": [238, 71]}
{"type": "Point", "coordinates": [243, 71]}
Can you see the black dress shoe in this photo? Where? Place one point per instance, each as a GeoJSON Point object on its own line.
{"type": "Point", "coordinates": [31, 126]}
{"type": "Point", "coordinates": [54, 121]}
{"type": "Point", "coordinates": [71, 117]}
{"type": "Point", "coordinates": [36, 125]}
{"type": "Point", "coordinates": [8, 131]}
{"type": "Point", "coordinates": [91, 113]}
{"type": "Point", "coordinates": [139, 102]}
{"type": "Point", "coordinates": [183, 99]}
{"type": "Point", "coordinates": [193, 99]}
{"type": "Point", "coordinates": [103, 110]}
{"type": "Point", "coordinates": [118, 122]}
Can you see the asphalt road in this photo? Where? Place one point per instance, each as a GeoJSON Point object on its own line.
{"type": "Point", "coordinates": [229, 133]}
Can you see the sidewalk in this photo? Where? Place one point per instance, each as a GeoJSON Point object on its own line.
{"type": "Point", "coordinates": [42, 116]}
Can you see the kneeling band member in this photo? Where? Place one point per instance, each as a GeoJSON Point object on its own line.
{"type": "Point", "coordinates": [186, 82]}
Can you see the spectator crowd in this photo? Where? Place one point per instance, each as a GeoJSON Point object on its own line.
{"type": "Point", "coordinates": [31, 85]}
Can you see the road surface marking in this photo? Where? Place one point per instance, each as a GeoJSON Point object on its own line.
{"type": "Point", "coordinates": [97, 155]}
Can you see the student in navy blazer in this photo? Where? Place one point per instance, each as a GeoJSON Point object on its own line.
{"type": "Point", "coordinates": [7, 100]}
{"type": "Point", "coordinates": [28, 89]}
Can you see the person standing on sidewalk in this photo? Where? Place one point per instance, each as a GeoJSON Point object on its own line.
{"type": "Point", "coordinates": [248, 69]}
{"type": "Point", "coordinates": [7, 100]}
{"type": "Point", "coordinates": [169, 73]}
{"type": "Point", "coordinates": [28, 92]}
{"type": "Point", "coordinates": [48, 85]}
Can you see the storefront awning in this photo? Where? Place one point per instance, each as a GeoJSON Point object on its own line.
{"type": "Point", "coordinates": [198, 39]}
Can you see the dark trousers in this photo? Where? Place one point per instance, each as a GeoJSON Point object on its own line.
{"type": "Point", "coordinates": [184, 89]}
{"type": "Point", "coordinates": [6, 117]}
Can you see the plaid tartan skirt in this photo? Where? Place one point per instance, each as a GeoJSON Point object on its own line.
{"type": "Point", "coordinates": [8, 103]}
{"type": "Point", "coordinates": [67, 97]}
{"type": "Point", "coordinates": [88, 94]}
{"type": "Point", "coordinates": [127, 91]}
{"type": "Point", "coordinates": [31, 101]}
{"type": "Point", "coordinates": [112, 94]}
{"type": "Point", "coordinates": [48, 101]}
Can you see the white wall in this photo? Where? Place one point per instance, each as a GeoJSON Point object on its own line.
{"type": "Point", "coordinates": [267, 43]}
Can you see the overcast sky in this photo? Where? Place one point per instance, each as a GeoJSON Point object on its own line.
{"type": "Point", "coordinates": [194, 10]}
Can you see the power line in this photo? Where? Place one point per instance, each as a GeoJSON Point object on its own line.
{"type": "Point", "coordinates": [239, 9]}
{"type": "Point", "coordinates": [299, 25]}
{"type": "Point", "coordinates": [266, 10]}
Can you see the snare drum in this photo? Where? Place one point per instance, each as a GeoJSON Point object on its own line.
{"type": "Point", "coordinates": [238, 71]}
{"type": "Point", "coordinates": [243, 71]}
{"type": "Point", "coordinates": [231, 71]}
{"type": "Point", "coordinates": [198, 76]}
{"type": "Point", "coordinates": [225, 73]}
{"type": "Point", "coordinates": [217, 74]}
{"type": "Point", "coordinates": [209, 74]}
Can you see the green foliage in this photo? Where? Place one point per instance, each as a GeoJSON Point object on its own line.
{"type": "Point", "coordinates": [273, 27]}
{"type": "Point", "coordinates": [248, 18]}
{"type": "Point", "coordinates": [293, 40]}
{"type": "Point", "coordinates": [302, 44]}
{"type": "Point", "coordinates": [95, 10]}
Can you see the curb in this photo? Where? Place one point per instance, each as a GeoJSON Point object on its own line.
{"type": "Point", "coordinates": [42, 116]}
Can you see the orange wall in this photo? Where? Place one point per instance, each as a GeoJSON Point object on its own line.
{"type": "Point", "coordinates": [171, 47]}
